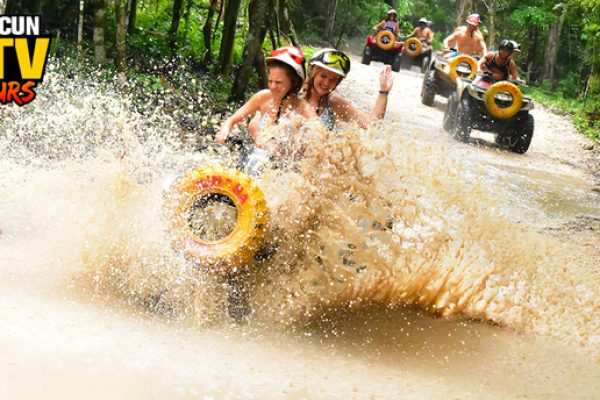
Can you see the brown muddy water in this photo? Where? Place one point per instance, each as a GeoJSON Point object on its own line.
{"type": "Point", "coordinates": [480, 288]}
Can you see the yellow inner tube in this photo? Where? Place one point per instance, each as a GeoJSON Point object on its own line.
{"type": "Point", "coordinates": [379, 39]}
{"type": "Point", "coordinates": [462, 59]}
{"type": "Point", "coordinates": [503, 87]}
{"type": "Point", "coordinates": [192, 192]}
{"type": "Point", "coordinates": [418, 47]}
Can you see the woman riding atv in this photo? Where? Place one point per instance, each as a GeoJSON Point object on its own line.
{"type": "Point", "coordinates": [287, 71]}
{"type": "Point", "coordinates": [390, 23]}
{"type": "Point", "coordinates": [327, 68]}
{"type": "Point", "coordinates": [499, 65]}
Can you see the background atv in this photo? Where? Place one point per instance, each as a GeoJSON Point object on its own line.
{"type": "Point", "coordinates": [500, 108]}
{"type": "Point", "coordinates": [442, 73]}
{"type": "Point", "coordinates": [383, 47]}
{"type": "Point", "coordinates": [416, 52]}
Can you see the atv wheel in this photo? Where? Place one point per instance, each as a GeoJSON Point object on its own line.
{"type": "Point", "coordinates": [366, 56]}
{"type": "Point", "coordinates": [462, 129]}
{"type": "Point", "coordinates": [522, 133]}
{"type": "Point", "coordinates": [425, 64]}
{"type": "Point", "coordinates": [397, 63]}
{"type": "Point", "coordinates": [429, 88]}
{"type": "Point", "coordinates": [450, 113]}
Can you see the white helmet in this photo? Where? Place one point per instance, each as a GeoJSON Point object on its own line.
{"type": "Point", "coordinates": [291, 56]}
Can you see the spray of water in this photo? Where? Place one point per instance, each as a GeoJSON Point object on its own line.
{"type": "Point", "coordinates": [358, 218]}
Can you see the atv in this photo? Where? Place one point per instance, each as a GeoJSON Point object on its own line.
{"type": "Point", "coordinates": [384, 47]}
{"type": "Point", "coordinates": [416, 52]}
{"type": "Point", "coordinates": [497, 107]}
{"type": "Point", "coordinates": [443, 71]}
{"type": "Point", "coordinates": [231, 200]}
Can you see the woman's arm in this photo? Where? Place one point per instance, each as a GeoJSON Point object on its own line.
{"type": "Point", "coordinates": [346, 111]}
{"type": "Point", "coordinates": [249, 108]}
{"type": "Point", "coordinates": [512, 70]}
{"type": "Point", "coordinates": [380, 25]}
{"type": "Point", "coordinates": [483, 61]}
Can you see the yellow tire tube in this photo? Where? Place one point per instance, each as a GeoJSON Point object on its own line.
{"type": "Point", "coordinates": [379, 40]}
{"type": "Point", "coordinates": [240, 245]}
{"type": "Point", "coordinates": [418, 47]}
{"type": "Point", "coordinates": [503, 87]}
{"type": "Point", "coordinates": [462, 59]}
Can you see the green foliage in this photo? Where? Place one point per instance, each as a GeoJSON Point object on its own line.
{"type": "Point", "coordinates": [578, 109]}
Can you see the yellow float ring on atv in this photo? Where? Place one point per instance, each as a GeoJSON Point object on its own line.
{"type": "Point", "coordinates": [461, 59]}
{"type": "Point", "coordinates": [503, 87]}
{"type": "Point", "coordinates": [240, 245]}
{"type": "Point", "coordinates": [418, 47]}
{"type": "Point", "coordinates": [381, 35]}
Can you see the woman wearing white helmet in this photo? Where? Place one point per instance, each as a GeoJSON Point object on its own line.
{"type": "Point", "coordinates": [286, 69]}
{"type": "Point", "coordinates": [327, 68]}
{"type": "Point", "coordinates": [390, 22]}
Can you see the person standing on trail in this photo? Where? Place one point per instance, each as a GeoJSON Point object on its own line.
{"type": "Point", "coordinates": [286, 74]}
{"type": "Point", "coordinates": [467, 39]}
{"type": "Point", "coordinates": [327, 68]}
{"type": "Point", "coordinates": [422, 32]}
{"type": "Point", "coordinates": [390, 23]}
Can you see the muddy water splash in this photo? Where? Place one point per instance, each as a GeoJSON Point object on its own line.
{"type": "Point", "coordinates": [359, 218]}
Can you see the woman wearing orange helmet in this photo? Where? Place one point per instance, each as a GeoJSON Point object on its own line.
{"type": "Point", "coordinates": [286, 74]}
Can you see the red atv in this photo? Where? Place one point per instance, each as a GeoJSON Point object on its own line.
{"type": "Point", "coordinates": [385, 47]}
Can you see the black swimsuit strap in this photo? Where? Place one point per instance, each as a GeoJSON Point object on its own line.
{"type": "Point", "coordinates": [281, 106]}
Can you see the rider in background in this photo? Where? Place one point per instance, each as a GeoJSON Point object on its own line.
{"type": "Point", "coordinates": [286, 74]}
{"type": "Point", "coordinates": [467, 39]}
{"type": "Point", "coordinates": [327, 68]}
{"type": "Point", "coordinates": [500, 64]}
{"type": "Point", "coordinates": [422, 32]}
{"type": "Point", "coordinates": [390, 23]}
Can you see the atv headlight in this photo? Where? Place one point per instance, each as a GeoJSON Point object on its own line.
{"type": "Point", "coordinates": [503, 97]}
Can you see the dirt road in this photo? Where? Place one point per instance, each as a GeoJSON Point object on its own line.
{"type": "Point", "coordinates": [59, 340]}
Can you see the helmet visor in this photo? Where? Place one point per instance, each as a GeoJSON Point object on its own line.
{"type": "Point", "coordinates": [335, 59]}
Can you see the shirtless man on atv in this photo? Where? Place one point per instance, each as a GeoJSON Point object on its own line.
{"type": "Point", "coordinates": [467, 39]}
{"type": "Point", "coordinates": [422, 32]}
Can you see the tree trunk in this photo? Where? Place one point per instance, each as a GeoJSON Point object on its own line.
{"type": "Point", "coordinates": [330, 18]}
{"type": "Point", "coordinates": [207, 31]}
{"type": "Point", "coordinates": [261, 69]}
{"type": "Point", "coordinates": [257, 10]}
{"type": "Point", "coordinates": [132, 17]}
{"type": "Point", "coordinates": [175, 20]}
{"type": "Point", "coordinates": [120, 35]}
{"type": "Point", "coordinates": [552, 46]}
{"type": "Point", "coordinates": [464, 9]}
{"type": "Point", "coordinates": [99, 22]}
{"type": "Point", "coordinates": [219, 18]}
{"type": "Point", "coordinates": [186, 18]}
{"type": "Point", "coordinates": [80, 32]}
{"type": "Point", "coordinates": [226, 52]}
{"type": "Point", "coordinates": [11, 6]}
{"type": "Point", "coordinates": [491, 7]}
{"type": "Point", "coordinates": [285, 24]}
